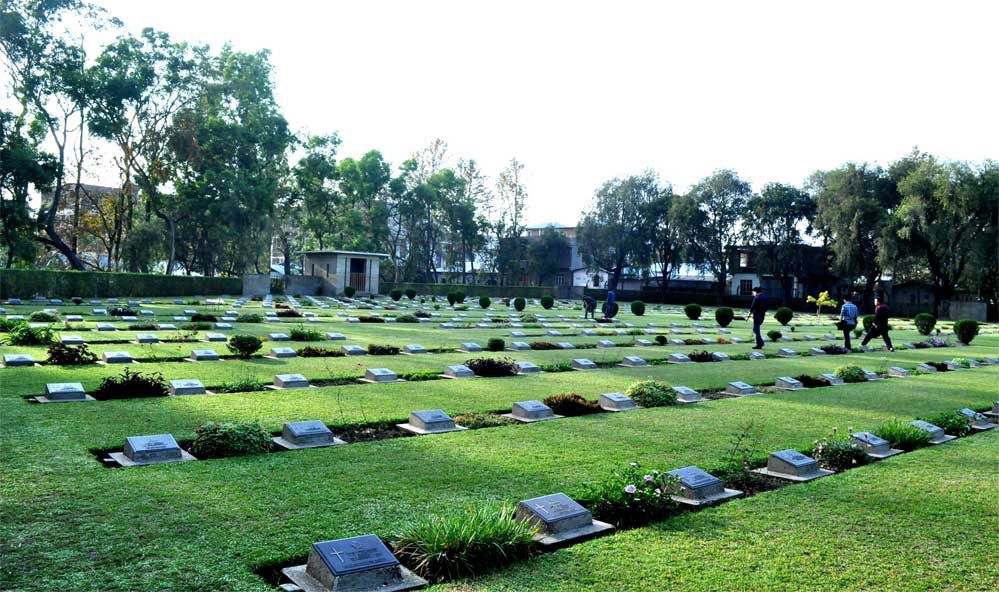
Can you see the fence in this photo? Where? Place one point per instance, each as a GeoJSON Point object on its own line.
{"type": "Point", "coordinates": [28, 283]}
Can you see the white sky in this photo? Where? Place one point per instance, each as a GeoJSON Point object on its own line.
{"type": "Point", "coordinates": [581, 92]}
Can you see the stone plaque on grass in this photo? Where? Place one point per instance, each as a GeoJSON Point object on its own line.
{"type": "Point", "coordinates": [99, 312]}
{"type": "Point", "coordinates": [740, 389]}
{"type": "Point", "coordinates": [104, 327]}
{"type": "Point", "coordinates": [517, 333]}
{"type": "Point", "coordinates": [755, 355]}
{"type": "Point", "coordinates": [117, 357]}
{"type": "Point", "coordinates": [414, 348]}
{"type": "Point", "coordinates": [925, 368]}
{"type": "Point", "coordinates": [186, 386]}
{"type": "Point", "coordinates": [306, 434]}
{"type": "Point", "coordinates": [216, 337]}
{"type": "Point", "coordinates": [181, 318]}
{"type": "Point", "coordinates": [64, 392]}
{"type": "Point", "coordinates": [520, 346]}
{"type": "Point", "coordinates": [432, 421]}
{"type": "Point", "coordinates": [979, 422]}
{"type": "Point", "coordinates": [148, 450]}
{"type": "Point", "coordinates": [687, 395]}
{"type": "Point", "coordinates": [531, 411]}
{"type": "Point", "coordinates": [380, 375]}
{"type": "Point", "coordinates": [616, 402]}
{"type": "Point", "coordinates": [147, 338]}
{"type": "Point", "coordinates": [354, 350]}
{"type": "Point", "coordinates": [677, 342]}
{"type": "Point", "coordinates": [643, 342]}
{"type": "Point", "coordinates": [223, 326]}
{"type": "Point", "coordinates": [565, 345]}
{"type": "Point", "coordinates": [605, 343]}
{"type": "Point", "coordinates": [336, 336]}
{"type": "Point", "coordinates": [526, 367]}
{"type": "Point", "coordinates": [697, 487]}
{"type": "Point", "coordinates": [817, 351]}
{"type": "Point", "coordinates": [559, 520]}
{"type": "Point", "coordinates": [204, 355]}
{"type": "Point", "coordinates": [589, 332]}
{"type": "Point", "coordinates": [356, 564]}
{"type": "Point", "coordinates": [937, 434]}
{"type": "Point", "coordinates": [786, 352]}
{"type": "Point", "coordinates": [793, 466]}
{"type": "Point", "coordinates": [71, 340]}
{"type": "Point", "coordinates": [633, 362]}
{"type": "Point", "coordinates": [583, 364]}
{"type": "Point", "coordinates": [829, 337]}
{"type": "Point", "coordinates": [870, 375]}
{"type": "Point", "coordinates": [788, 384]}
{"type": "Point", "coordinates": [458, 371]}
{"type": "Point", "coordinates": [833, 379]}
{"type": "Point", "coordinates": [74, 318]}
{"type": "Point", "coordinates": [720, 357]}
{"type": "Point", "coordinates": [677, 358]}
{"type": "Point", "coordinates": [873, 446]}
{"type": "Point", "coordinates": [290, 381]}
{"type": "Point", "coordinates": [898, 372]}
{"type": "Point", "coordinates": [470, 347]}
{"type": "Point", "coordinates": [277, 337]}
{"type": "Point", "coordinates": [283, 352]}
{"type": "Point", "coordinates": [167, 327]}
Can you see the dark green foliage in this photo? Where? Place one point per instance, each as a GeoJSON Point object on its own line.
{"type": "Point", "coordinates": [924, 322]}
{"type": "Point", "coordinates": [244, 346]}
{"type": "Point", "coordinates": [441, 548]}
{"type": "Point", "coordinates": [420, 376]}
{"type": "Point", "coordinates": [395, 294]}
{"type": "Point", "coordinates": [902, 435]}
{"type": "Point", "coordinates": [202, 317]}
{"type": "Point", "coordinates": [382, 350]}
{"type": "Point", "coordinates": [495, 344]}
{"type": "Point", "coordinates": [560, 366]}
{"type": "Point", "coordinates": [774, 335]}
{"type": "Point", "coordinates": [196, 326]}
{"type": "Point", "coordinates": [783, 315]}
{"type": "Point", "coordinates": [289, 313]}
{"type": "Point", "coordinates": [952, 422]}
{"type": "Point", "coordinates": [25, 283]}
{"type": "Point", "coordinates": [370, 319]}
{"type": "Point", "coordinates": [724, 316]}
{"type": "Point", "coordinates": [407, 318]}
{"type": "Point", "coordinates": [632, 497]}
{"type": "Point", "coordinates": [451, 298]}
{"type": "Point", "coordinates": [221, 440]}
{"type": "Point", "coordinates": [484, 301]}
{"type": "Point", "coordinates": [851, 373]}
{"type": "Point", "coordinates": [8, 324]}
{"type": "Point", "coordinates": [71, 355]}
{"type": "Point", "coordinates": [250, 317]}
{"type": "Point", "coordinates": [459, 296]}
{"type": "Point", "coordinates": [492, 367]}
{"type": "Point", "coordinates": [662, 339]}
{"type": "Point", "coordinates": [475, 421]}
{"type": "Point", "coordinates": [21, 333]}
{"type": "Point", "coordinates": [571, 405]}
{"type": "Point", "coordinates": [128, 385]}
{"type": "Point", "coordinates": [142, 326]}
{"type": "Point", "coordinates": [422, 314]}
{"type": "Point", "coordinates": [40, 316]}
{"type": "Point", "coordinates": [838, 454]}
{"type": "Point", "coordinates": [834, 350]}
{"type": "Point", "coordinates": [410, 293]}
{"type": "Point", "coordinates": [638, 308]}
{"type": "Point", "coordinates": [651, 393]}
{"type": "Point", "coordinates": [867, 321]}
{"type": "Point", "coordinates": [303, 334]}
{"type": "Point", "coordinates": [349, 291]}
{"type": "Point", "coordinates": [611, 311]}
{"type": "Point", "coordinates": [812, 381]}
{"type": "Point", "coordinates": [547, 301]}
{"type": "Point", "coordinates": [311, 351]}
{"type": "Point", "coordinates": [700, 356]}
{"type": "Point", "coordinates": [543, 345]}
{"type": "Point", "coordinates": [519, 303]}
{"type": "Point", "coordinates": [693, 311]}
{"type": "Point", "coordinates": [122, 311]}
{"type": "Point", "coordinates": [966, 330]}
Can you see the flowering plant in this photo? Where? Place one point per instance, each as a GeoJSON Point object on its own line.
{"type": "Point", "coordinates": [633, 496]}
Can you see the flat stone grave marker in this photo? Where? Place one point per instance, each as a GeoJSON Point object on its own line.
{"type": "Point", "coordinates": [306, 434]}
{"type": "Point", "coordinates": [866, 348]}
{"type": "Point", "coordinates": [677, 358]}
{"type": "Point", "coordinates": [565, 345]}
{"type": "Point", "coordinates": [793, 466]}
{"type": "Point", "coordinates": [178, 301]}
{"type": "Point", "coordinates": [871, 375]}
{"type": "Point", "coordinates": [740, 389]}
{"type": "Point", "coordinates": [99, 312]}
{"type": "Point", "coordinates": [616, 402]}
{"type": "Point", "coordinates": [725, 331]}
{"type": "Point", "coordinates": [118, 357]}
{"type": "Point", "coordinates": [979, 422]}
{"type": "Point", "coordinates": [755, 355]}
{"type": "Point", "coordinates": [898, 372]}
{"type": "Point", "coordinates": [336, 336]}
{"type": "Point", "coordinates": [433, 421]}
{"type": "Point", "coordinates": [873, 446]}
{"type": "Point", "coordinates": [414, 348]}
{"type": "Point", "coordinates": [701, 331]}
{"type": "Point", "coordinates": [829, 337]}
{"type": "Point", "coordinates": [470, 347]}
{"type": "Point", "coordinates": [186, 386]}
{"type": "Point", "coordinates": [519, 346]}
{"type": "Point", "coordinates": [697, 487]}
{"type": "Point", "coordinates": [925, 368]}
{"type": "Point", "coordinates": [676, 342]}
{"type": "Point", "coordinates": [526, 368]}
{"type": "Point", "coordinates": [447, 325]}
{"type": "Point", "coordinates": [810, 338]}
{"type": "Point", "coordinates": [13, 301]}
{"type": "Point", "coordinates": [788, 384]}
{"type": "Point", "coordinates": [833, 379]}
{"type": "Point", "coordinates": [973, 363]}
{"type": "Point", "coordinates": [380, 375]}
{"type": "Point", "coordinates": [707, 341]}
{"type": "Point", "coordinates": [991, 361]}
{"type": "Point", "coordinates": [559, 520]}
{"type": "Point", "coordinates": [216, 337]}
{"type": "Point", "coordinates": [277, 337]}
{"type": "Point", "coordinates": [148, 450]}
{"type": "Point", "coordinates": [180, 318]}
{"type": "Point", "coordinates": [273, 313]}
{"type": "Point", "coordinates": [223, 326]}
{"type": "Point", "coordinates": [190, 311]}
{"type": "Point", "coordinates": [952, 365]}
{"type": "Point", "coordinates": [167, 327]}
{"type": "Point", "coordinates": [687, 395]}
{"type": "Point", "coordinates": [104, 327]}
{"type": "Point", "coordinates": [605, 343]}
{"type": "Point", "coordinates": [354, 350]}
{"type": "Point", "coordinates": [147, 338]}
{"type": "Point", "coordinates": [583, 364]}
{"type": "Point", "coordinates": [290, 381]}
{"type": "Point", "coordinates": [643, 342]}
{"type": "Point", "coordinates": [458, 371]}
{"type": "Point", "coordinates": [633, 362]}
{"type": "Point", "coordinates": [517, 325]}
{"type": "Point", "coordinates": [64, 392]}
{"type": "Point", "coordinates": [620, 332]}
{"type": "Point", "coordinates": [720, 357]}
{"type": "Point", "coordinates": [129, 318]}
{"type": "Point", "coordinates": [554, 333]}
{"type": "Point", "coordinates": [204, 355]}
{"type": "Point", "coordinates": [937, 434]}
{"type": "Point", "coordinates": [74, 318]}
{"type": "Point", "coordinates": [517, 333]}
{"type": "Point", "coordinates": [71, 340]}
{"type": "Point", "coordinates": [356, 564]}
{"type": "Point", "coordinates": [358, 320]}
{"type": "Point", "coordinates": [786, 352]}
{"type": "Point", "coordinates": [817, 351]}
{"type": "Point", "coordinates": [589, 332]}
{"type": "Point", "coordinates": [283, 352]}
{"type": "Point", "coordinates": [531, 411]}
{"type": "Point", "coordinates": [787, 339]}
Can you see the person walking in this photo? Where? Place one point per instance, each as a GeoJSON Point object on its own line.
{"type": "Point", "coordinates": [879, 328]}
{"type": "Point", "coordinates": [848, 314]}
{"type": "Point", "coordinates": [758, 310]}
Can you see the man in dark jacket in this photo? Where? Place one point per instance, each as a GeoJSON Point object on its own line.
{"type": "Point", "coordinates": [758, 310]}
{"type": "Point", "coordinates": [880, 325]}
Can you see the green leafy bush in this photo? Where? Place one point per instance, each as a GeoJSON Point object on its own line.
{"type": "Point", "coordinates": [724, 316]}
{"type": "Point", "coordinates": [838, 454]}
{"type": "Point", "coordinates": [495, 344]}
{"type": "Point", "coordinates": [834, 350]}
{"type": "Point", "coordinates": [128, 385]}
{"type": "Point", "coordinates": [395, 294]}
{"type": "Point", "coordinates": [8, 324]}
{"type": "Point", "coordinates": [143, 326]}
{"type": "Point", "coordinates": [121, 311]}
{"type": "Point", "coordinates": [459, 296]}
{"type": "Point", "coordinates": [21, 333]}
{"type": "Point", "coordinates": [693, 311]}
{"type": "Point", "coordinates": [966, 330]}
{"type": "Point", "coordinates": [244, 346]}
{"type": "Point", "coordinates": [311, 351]}
{"type": "Point", "coordinates": [851, 373]}
{"type": "Point", "coordinates": [196, 326]}
{"type": "Point", "coordinates": [783, 315]}
{"type": "Point", "coordinates": [382, 350]}
{"type": "Point", "coordinates": [250, 317]}
{"type": "Point", "coordinates": [632, 497]}
{"type": "Point", "coordinates": [407, 318]}
{"type": "Point", "coordinates": [610, 311]}
{"type": "Point", "coordinates": [349, 291]}
{"type": "Point", "coordinates": [492, 367]}
{"type": "Point", "coordinates": [410, 293]}
{"type": "Point", "coordinates": [902, 435]}
{"type": "Point", "coordinates": [543, 345]}
{"type": "Point", "coordinates": [474, 421]}
{"type": "Point", "coordinates": [220, 440]}
{"type": "Point", "coordinates": [651, 393]}
{"type": "Point", "coordinates": [924, 322]}
{"type": "Point", "coordinates": [484, 301]}
{"type": "Point", "coordinates": [774, 335]}
{"type": "Point", "coordinates": [952, 422]}
{"type": "Point", "coordinates": [867, 321]}
{"type": "Point", "coordinates": [370, 319]}
{"type": "Point", "coordinates": [547, 301]}
{"type": "Point", "coordinates": [71, 355]}
{"type": "Point", "coordinates": [662, 339]}
{"type": "Point", "coordinates": [202, 317]}
{"type": "Point", "coordinates": [289, 313]}
{"type": "Point", "coordinates": [303, 334]}
{"type": "Point", "coordinates": [571, 405]}
{"type": "Point", "coordinates": [638, 308]}
{"type": "Point", "coordinates": [519, 303]}
{"type": "Point", "coordinates": [40, 316]}
{"type": "Point", "coordinates": [701, 356]}
{"type": "Point", "coordinates": [441, 548]}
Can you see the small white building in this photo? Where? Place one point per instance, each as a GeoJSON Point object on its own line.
{"type": "Point", "coordinates": [339, 269]}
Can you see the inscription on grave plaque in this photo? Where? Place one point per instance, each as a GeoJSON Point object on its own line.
{"type": "Point", "coordinates": [187, 386]}
{"type": "Point", "coordinates": [290, 381]}
{"type": "Point", "coordinates": [65, 391]}
{"type": "Point", "coordinates": [307, 433]}
{"type": "Point", "coordinates": [148, 449]}
{"type": "Point", "coordinates": [356, 554]}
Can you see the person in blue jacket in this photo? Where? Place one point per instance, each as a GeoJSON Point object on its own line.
{"type": "Point", "coordinates": [758, 310]}
{"type": "Point", "coordinates": [848, 319]}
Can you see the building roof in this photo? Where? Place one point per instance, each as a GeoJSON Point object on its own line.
{"type": "Point", "coordinates": [361, 253]}
{"type": "Point", "coordinates": [546, 225]}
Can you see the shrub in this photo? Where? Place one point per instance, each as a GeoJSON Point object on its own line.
{"type": "Point", "coordinates": [441, 548]}
{"type": "Point", "coordinates": [244, 346]}
{"type": "Point", "coordinates": [700, 356]}
{"type": "Point", "coordinates": [851, 373]}
{"type": "Point", "coordinates": [610, 311]}
{"type": "Point", "coordinates": [774, 335]}
{"type": "Point", "coordinates": [289, 313]}
{"type": "Point", "coordinates": [242, 385]}
{"type": "Point", "coordinates": [77, 300]}
{"type": "Point", "coordinates": [651, 393]}
{"type": "Point", "coordinates": [410, 293]}
{"type": "Point", "coordinates": [395, 294]}
{"type": "Point", "coordinates": [128, 385]}
{"type": "Point", "coordinates": [143, 326]}
{"type": "Point", "coordinates": [250, 317]}
{"type": "Point", "coordinates": [940, 366]}
{"type": "Point", "coordinates": [902, 435]}
{"type": "Point", "coordinates": [783, 315]}
{"type": "Point", "coordinates": [382, 350]}
{"type": "Point", "coordinates": [422, 314]}
{"type": "Point", "coordinates": [838, 454]}
{"type": "Point", "coordinates": [303, 334]}
{"type": "Point", "coordinates": [8, 324]}
{"type": "Point", "coordinates": [966, 330]}
{"type": "Point", "coordinates": [571, 405]}
{"type": "Point", "coordinates": [736, 471]}
{"type": "Point", "coordinates": [459, 296]}
{"type": "Point", "coordinates": [547, 301]}
{"type": "Point", "coordinates": [724, 316]}
{"type": "Point", "coordinates": [561, 366]}
{"type": "Point", "coordinates": [474, 421]}
{"type": "Point", "coordinates": [21, 333]}
{"type": "Point", "coordinates": [495, 344]}
{"type": "Point", "coordinates": [662, 339]}
{"type": "Point", "coordinates": [311, 351]}
{"type": "Point", "coordinates": [519, 303]}
{"type": "Point", "coordinates": [407, 318]}
{"type": "Point", "coordinates": [492, 367]}
{"type": "Point", "coordinates": [924, 322]}
{"type": "Point", "coordinates": [812, 381]}
{"type": "Point", "coordinates": [632, 497]}
{"type": "Point", "coordinates": [40, 316]}
{"type": "Point", "coordinates": [220, 440]}
{"type": "Point", "coordinates": [529, 318]}
{"type": "Point", "coordinates": [451, 299]}
{"type": "Point", "coordinates": [69, 355]}
{"type": "Point", "coordinates": [484, 301]}
{"type": "Point", "coordinates": [349, 291]}
{"type": "Point", "coordinates": [952, 422]}
{"type": "Point", "coordinates": [638, 308]}
{"type": "Point", "coordinates": [543, 345]}
{"type": "Point", "coordinates": [202, 326]}
{"type": "Point", "coordinates": [122, 311]}
{"type": "Point", "coordinates": [834, 350]}
{"type": "Point", "coordinates": [867, 321]}
{"type": "Point", "coordinates": [370, 319]}
{"type": "Point", "coordinates": [693, 311]}
{"type": "Point", "coordinates": [203, 318]}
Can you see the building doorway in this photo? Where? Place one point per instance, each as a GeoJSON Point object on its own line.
{"type": "Point", "coordinates": [358, 274]}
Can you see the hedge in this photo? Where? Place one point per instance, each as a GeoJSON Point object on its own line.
{"type": "Point", "coordinates": [28, 283]}
{"type": "Point", "coordinates": [469, 289]}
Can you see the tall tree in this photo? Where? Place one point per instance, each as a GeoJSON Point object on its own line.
{"type": "Point", "coordinates": [314, 187]}
{"type": "Point", "coordinates": [546, 254]}
{"type": "Point", "coordinates": [508, 228]}
{"type": "Point", "coordinates": [665, 238]}
{"type": "Point", "coordinates": [23, 167]}
{"type": "Point", "coordinates": [773, 223]}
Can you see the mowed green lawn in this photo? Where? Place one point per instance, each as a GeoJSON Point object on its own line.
{"type": "Point", "coordinates": [67, 523]}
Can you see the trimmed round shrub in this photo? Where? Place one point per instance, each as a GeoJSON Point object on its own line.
{"type": "Point", "coordinates": [693, 311]}
{"type": "Point", "coordinates": [724, 316]}
{"type": "Point", "coordinates": [784, 315]}
{"type": "Point", "coordinates": [492, 367]}
{"type": "Point", "coordinates": [495, 344]}
{"type": "Point", "coordinates": [250, 317]}
{"type": "Point", "coordinates": [966, 330]}
{"type": "Point", "coordinates": [774, 335]}
{"type": "Point", "coordinates": [451, 298]}
{"type": "Point", "coordinates": [395, 294]}
{"type": "Point", "coordinates": [547, 301]}
{"type": "Point", "coordinates": [924, 322]}
{"type": "Point", "coordinates": [638, 308]}
{"type": "Point", "coordinates": [571, 405]}
{"type": "Point", "coordinates": [851, 373]}
{"type": "Point", "coordinates": [459, 296]}
{"type": "Point", "coordinates": [40, 316]}
{"type": "Point", "coordinates": [484, 301]}
{"type": "Point", "coordinates": [611, 311]}
{"type": "Point", "coordinates": [244, 346]}
{"type": "Point", "coordinates": [410, 293]}
{"type": "Point", "coordinates": [651, 393]}
{"type": "Point", "coordinates": [349, 291]}
{"type": "Point", "coordinates": [902, 435]}
{"type": "Point", "coordinates": [867, 321]}
{"type": "Point", "coordinates": [519, 303]}
{"type": "Point", "coordinates": [220, 440]}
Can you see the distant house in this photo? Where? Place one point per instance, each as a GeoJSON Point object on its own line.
{"type": "Point", "coordinates": [911, 298]}
{"type": "Point", "coordinates": [810, 274]}
{"type": "Point", "coordinates": [339, 269]}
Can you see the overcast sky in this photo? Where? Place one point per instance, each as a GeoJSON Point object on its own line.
{"type": "Point", "coordinates": [582, 92]}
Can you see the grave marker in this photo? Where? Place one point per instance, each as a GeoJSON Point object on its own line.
{"type": "Point", "coordinates": [104, 327]}
{"type": "Point", "coordinates": [616, 402]}
{"type": "Point", "coordinates": [755, 355]}
{"type": "Point", "coordinates": [64, 392]}
{"type": "Point", "coordinates": [817, 351]}
{"type": "Point", "coordinates": [531, 411]}
{"type": "Point", "coordinates": [788, 384]}
{"type": "Point", "coordinates": [283, 352]}
{"type": "Point", "coordinates": [148, 450]}
{"type": "Point", "coordinates": [898, 372]}
{"type": "Point", "coordinates": [470, 347]}
{"type": "Point", "coordinates": [559, 520]}
{"type": "Point", "coordinates": [277, 337]}
{"type": "Point", "coordinates": [937, 434]}
{"type": "Point", "coordinates": [740, 389]}
{"type": "Point", "coordinates": [519, 346]}
{"type": "Point", "coordinates": [118, 357]}
{"type": "Point", "coordinates": [356, 564]}
{"type": "Point", "coordinates": [697, 487]}
{"type": "Point", "coordinates": [354, 350]}
{"type": "Point", "coordinates": [290, 381]}
{"type": "Point", "coordinates": [216, 337]}
{"type": "Point", "coordinates": [793, 466]}
{"type": "Point", "coordinates": [186, 386]}
{"type": "Point", "coordinates": [565, 345]}
{"type": "Point", "coordinates": [687, 395]}
{"type": "Point", "coordinates": [720, 357]}
{"type": "Point", "coordinates": [524, 368]}
{"type": "Point", "coordinates": [871, 376]}
{"type": "Point", "coordinates": [414, 348]}
{"type": "Point", "coordinates": [873, 446]}
{"type": "Point", "coordinates": [605, 343]}
{"type": "Point", "coordinates": [147, 338]}
{"type": "Point", "coordinates": [380, 375]}
{"type": "Point", "coordinates": [336, 336]}
{"type": "Point", "coordinates": [677, 358]}
{"type": "Point", "coordinates": [71, 340]}
{"type": "Point", "coordinates": [204, 355]}
{"type": "Point", "coordinates": [786, 352]}
{"type": "Point", "coordinates": [979, 422]}
{"type": "Point", "coordinates": [833, 379]}
{"type": "Point", "coordinates": [583, 364]}
{"type": "Point", "coordinates": [458, 371]}
{"type": "Point", "coordinates": [433, 421]}
{"type": "Point", "coordinates": [633, 362]}
{"type": "Point", "coordinates": [296, 435]}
